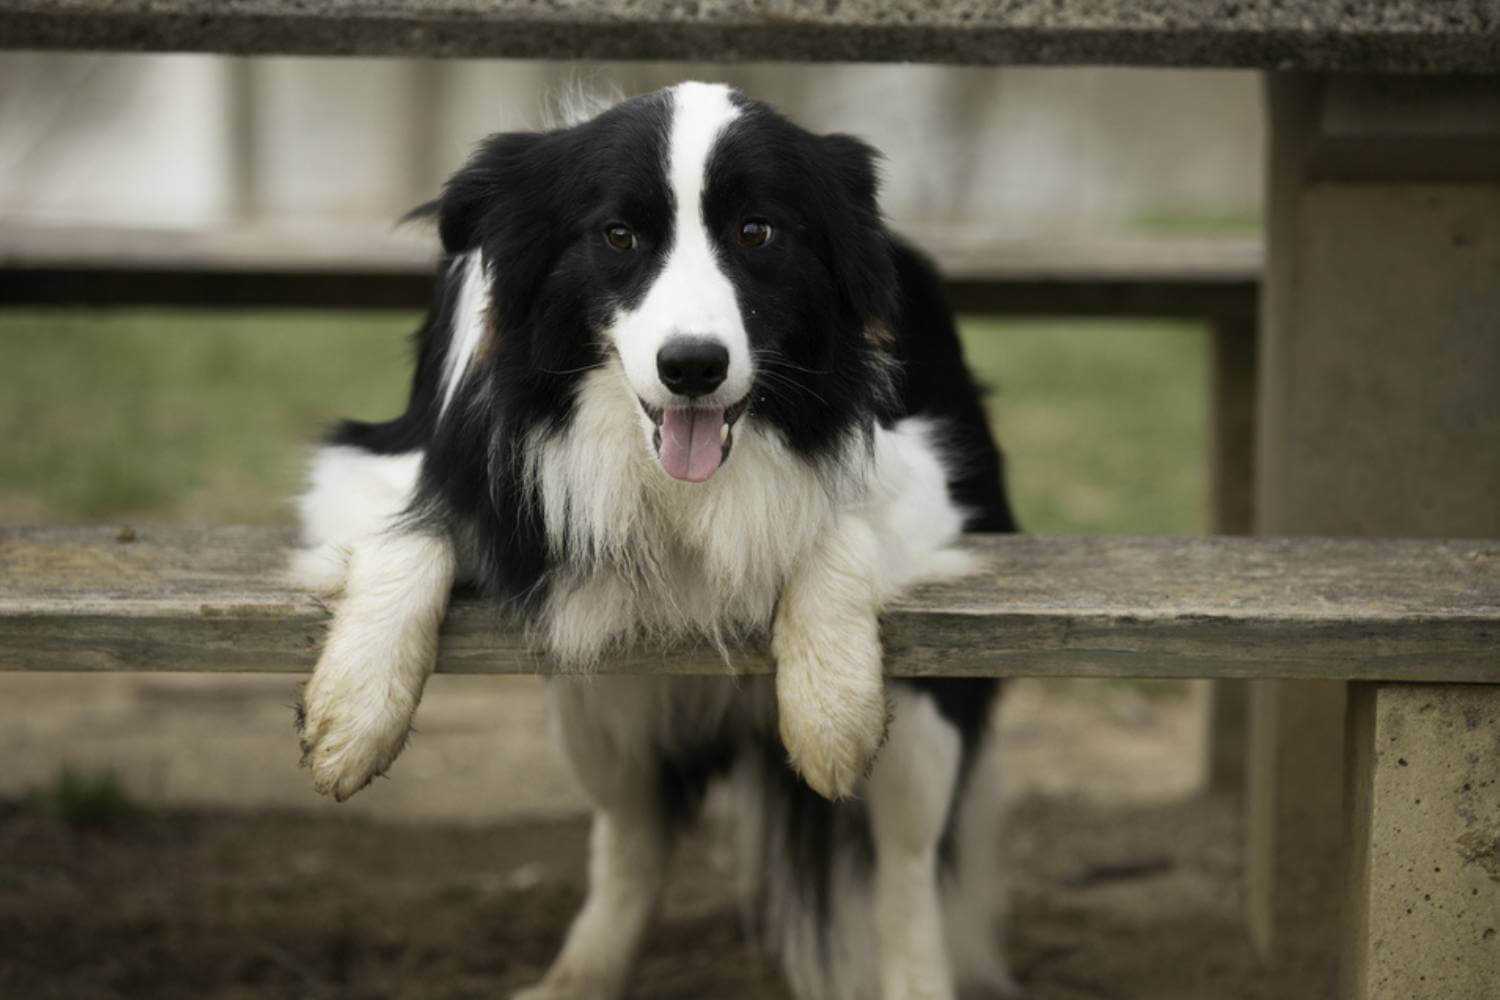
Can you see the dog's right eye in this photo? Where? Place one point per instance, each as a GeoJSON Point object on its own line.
{"type": "Point", "coordinates": [619, 237]}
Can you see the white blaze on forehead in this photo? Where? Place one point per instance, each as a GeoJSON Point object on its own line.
{"type": "Point", "coordinates": [700, 112]}
{"type": "Point", "coordinates": [469, 323]}
{"type": "Point", "coordinates": [691, 295]}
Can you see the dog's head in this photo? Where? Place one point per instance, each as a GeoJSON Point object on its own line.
{"type": "Point", "coordinates": [735, 263]}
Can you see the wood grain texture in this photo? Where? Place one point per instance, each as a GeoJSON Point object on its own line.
{"type": "Point", "coordinates": [216, 600]}
{"type": "Point", "coordinates": [376, 266]}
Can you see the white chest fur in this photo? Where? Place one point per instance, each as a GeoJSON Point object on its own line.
{"type": "Point", "coordinates": [653, 559]}
{"type": "Point", "coordinates": [650, 558]}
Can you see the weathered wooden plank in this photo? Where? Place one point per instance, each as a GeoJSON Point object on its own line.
{"type": "Point", "coordinates": [214, 600]}
{"type": "Point", "coordinates": [1432, 36]}
{"type": "Point", "coordinates": [961, 251]}
{"type": "Point", "coordinates": [378, 265]}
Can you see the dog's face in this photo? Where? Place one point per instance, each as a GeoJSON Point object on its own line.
{"type": "Point", "coordinates": [734, 262]}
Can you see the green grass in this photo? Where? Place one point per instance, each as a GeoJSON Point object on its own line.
{"type": "Point", "coordinates": [1104, 423]}
{"type": "Point", "coordinates": [183, 416]}
{"type": "Point", "coordinates": [204, 416]}
{"type": "Point", "coordinates": [86, 801]}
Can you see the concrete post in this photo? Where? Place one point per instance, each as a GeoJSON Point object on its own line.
{"type": "Point", "coordinates": [1379, 411]}
{"type": "Point", "coordinates": [1294, 826]}
{"type": "Point", "coordinates": [1423, 921]}
{"type": "Point", "coordinates": [1232, 458]}
{"type": "Point", "coordinates": [240, 159]}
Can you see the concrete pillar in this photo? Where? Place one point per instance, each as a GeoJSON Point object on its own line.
{"type": "Point", "coordinates": [1294, 826]}
{"type": "Point", "coordinates": [1232, 459]}
{"type": "Point", "coordinates": [1423, 921]}
{"type": "Point", "coordinates": [239, 137]}
{"type": "Point", "coordinates": [1379, 411]}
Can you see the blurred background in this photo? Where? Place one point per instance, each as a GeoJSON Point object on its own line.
{"type": "Point", "coordinates": [174, 804]}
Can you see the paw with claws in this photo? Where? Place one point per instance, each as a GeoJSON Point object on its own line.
{"type": "Point", "coordinates": [352, 727]}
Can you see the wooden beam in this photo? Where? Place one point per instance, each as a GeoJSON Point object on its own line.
{"type": "Point", "coordinates": [214, 600]}
{"type": "Point", "coordinates": [269, 289]}
{"type": "Point", "coordinates": [961, 251]}
{"type": "Point", "coordinates": [114, 287]}
{"type": "Point", "coordinates": [347, 264]}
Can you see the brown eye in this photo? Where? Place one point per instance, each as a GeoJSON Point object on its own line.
{"type": "Point", "coordinates": [754, 233]}
{"type": "Point", "coordinates": [619, 237]}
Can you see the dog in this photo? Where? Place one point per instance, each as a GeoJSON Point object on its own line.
{"type": "Point", "coordinates": [680, 384]}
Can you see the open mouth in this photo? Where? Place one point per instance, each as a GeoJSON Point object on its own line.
{"type": "Point", "coordinates": [693, 441]}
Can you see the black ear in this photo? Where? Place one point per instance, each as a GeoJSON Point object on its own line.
{"type": "Point", "coordinates": [854, 163]}
{"type": "Point", "coordinates": [496, 176]}
{"type": "Point", "coordinates": [865, 266]}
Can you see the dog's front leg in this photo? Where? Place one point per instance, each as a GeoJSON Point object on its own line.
{"type": "Point", "coordinates": [357, 709]}
{"type": "Point", "coordinates": [830, 695]}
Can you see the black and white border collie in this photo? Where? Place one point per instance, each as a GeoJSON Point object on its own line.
{"type": "Point", "coordinates": [680, 384]}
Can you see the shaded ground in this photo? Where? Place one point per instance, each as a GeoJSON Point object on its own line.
{"type": "Point", "coordinates": [481, 751]}
{"type": "Point", "coordinates": [219, 874]}
{"type": "Point", "coordinates": [1110, 902]}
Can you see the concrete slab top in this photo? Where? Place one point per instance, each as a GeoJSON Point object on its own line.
{"type": "Point", "coordinates": [1438, 36]}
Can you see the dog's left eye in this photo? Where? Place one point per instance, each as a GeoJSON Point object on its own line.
{"type": "Point", "coordinates": [754, 233]}
{"type": "Point", "coordinates": [619, 237]}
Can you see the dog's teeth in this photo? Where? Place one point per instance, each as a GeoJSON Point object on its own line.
{"type": "Point", "coordinates": [724, 432]}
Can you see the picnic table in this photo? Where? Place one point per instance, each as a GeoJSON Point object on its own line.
{"type": "Point", "coordinates": [1373, 805]}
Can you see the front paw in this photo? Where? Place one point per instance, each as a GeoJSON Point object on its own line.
{"type": "Point", "coordinates": [350, 732]}
{"type": "Point", "coordinates": [832, 742]}
{"type": "Point", "coordinates": [831, 703]}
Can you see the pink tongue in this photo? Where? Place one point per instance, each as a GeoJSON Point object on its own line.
{"type": "Point", "coordinates": [690, 445]}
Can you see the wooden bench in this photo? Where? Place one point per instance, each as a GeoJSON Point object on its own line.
{"type": "Point", "coordinates": [174, 599]}
{"type": "Point", "coordinates": [1376, 415]}
{"type": "Point", "coordinates": [380, 266]}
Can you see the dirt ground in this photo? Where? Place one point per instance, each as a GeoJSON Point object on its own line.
{"type": "Point", "coordinates": [1126, 882]}
{"type": "Point", "coordinates": [1110, 902]}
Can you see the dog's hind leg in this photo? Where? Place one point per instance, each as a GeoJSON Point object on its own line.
{"type": "Point", "coordinates": [974, 889]}
{"type": "Point", "coordinates": [910, 791]}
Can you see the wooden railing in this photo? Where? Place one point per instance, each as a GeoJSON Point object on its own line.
{"type": "Point", "coordinates": [176, 599]}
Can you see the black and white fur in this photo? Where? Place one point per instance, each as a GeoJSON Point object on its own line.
{"type": "Point", "coordinates": [531, 462]}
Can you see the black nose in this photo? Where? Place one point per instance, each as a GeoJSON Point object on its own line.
{"type": "Point", "coordinates": [692, 366]}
